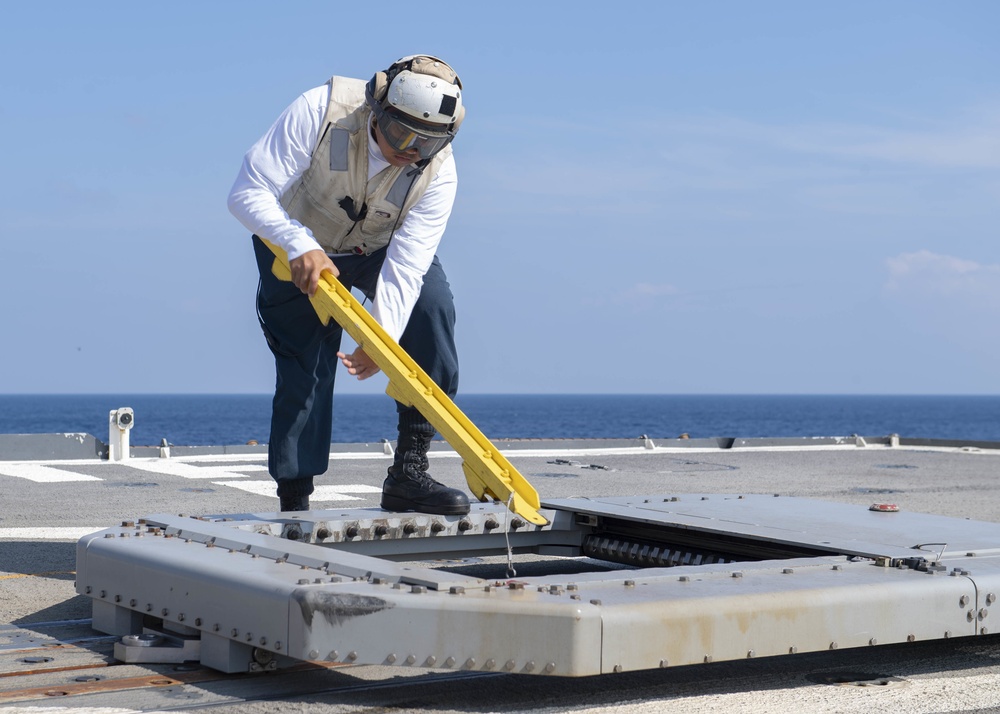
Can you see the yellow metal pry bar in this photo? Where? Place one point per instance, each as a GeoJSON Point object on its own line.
{"type": "Point", "coordinates": [489, 474]}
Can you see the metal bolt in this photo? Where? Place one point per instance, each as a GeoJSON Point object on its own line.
{"type": "Point", "coordinates": [352, 655]}
{"type": "Point", "coordinates": [983, 630]}
{"type": "Point", "coordinates": [947, 633]}
{"type": "Point", "coordinates": [595, 602]}
{"type": "Point", "coordinates": [323, 533]}
{"type": "Point", "coordinates": [630, 583]}
{"type": "Point", "coordinates": [149, 607]}
{"type": "Point", "coordinates": [970, 616]}
{"type": "Point", "coordinates": [837, 567]}
{"type": "Point", "coordinates": [833, 645]}
{"type": "Point", "coordinates": [787, 571]}
{"type": "Point", "coordinates": [991, 598]}
{"type": "Point", "coordinates": [180, 617]}
{"type": "Point", "coordinates": [391, 658]}
{"type": "Point", "coordinates": [418, 589]}
{"type": "Point", "coordinates": [873, 642]}
{"type": "Point", "coordinates": [684, 579]}
{"type": "Point", "coordinates": [911, 638]}
{"type": "Point", "coordinates": [737, 574]}
{"type": "Point", "coordinates": [529, 666]}
{"type": "Point", "coordinates": [663, 663]}
{"type": "Point", "coordinates": [793, 650]}
{"type": "Point", "coordinates": [164, 612]}
{"type": "Point", "coordinates": [750, 654]}
{"type": "Point", "coordinates": [313, 654]}
{"type": "Point", "coordinates": [456, 590]}
{"type": "Point", "coordinates": [249, 637]}
{"type": "Point", "coordinates": [381, 530]}
{"type": "Point", "coordinates": [410, 659]}
{"type": "Point", "coordinates": [708, 659]}
{"type": "Point", "coordinates": [236, 633]}
{"type": "Point", "coordinates": [437, 527]}
{"type": "Point", "coordinates": [409, 529]}
{"type": "Point", "coordinates": [983, 612]}
{"type": "Point", "coordinates": [490, 524]}
{"type": "Point", "coordinates": [469, 663]}
{"type": "Point", "coordinates": [963, 601]}
{"type": "Point", "coordinates": [550, 667]}
{"type": "Point", "coordinates": [431, 661]}
{"type": "Point", "coordinates": [489, 664]}
{"type": "Point", "coordinates": [277, 646]}
{"type": "Point", "coordinates": [517, 523]}
{"type": "Point", "coordinates": [509, 665]}
{"type": "Point", "coordinates": [450, 662]}
{"type": "Point", "coordinates": [464, 525]}
{"type": "Point", "coordinates": [351, 531]}
{"type": "Point", "coordinates": [133, 602]}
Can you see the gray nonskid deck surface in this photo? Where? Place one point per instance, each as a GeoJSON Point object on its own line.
{"type": "Point", "coordinates": [36, 575]}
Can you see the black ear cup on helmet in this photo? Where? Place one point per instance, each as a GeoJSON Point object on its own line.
{"type": "Point", "coordinates": [377, 87]}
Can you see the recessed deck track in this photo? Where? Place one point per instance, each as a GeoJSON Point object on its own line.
{"type": "Point", "coordinates": [710, 577]}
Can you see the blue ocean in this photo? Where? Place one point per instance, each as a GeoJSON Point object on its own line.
{"type": "Point", "coordinates": [194, 420]}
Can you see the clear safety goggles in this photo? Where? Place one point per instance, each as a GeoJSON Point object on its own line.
{"type": "Point", "coordinates": [404, 133]}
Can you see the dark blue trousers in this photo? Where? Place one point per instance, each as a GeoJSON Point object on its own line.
{"type": "Point", "coordinates": [305, 357]}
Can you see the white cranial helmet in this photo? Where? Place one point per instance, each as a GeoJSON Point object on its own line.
{"type": "Point", "coordinates": [425, 97]}
{"type": "Point", "coordinates": [417, 104]}
{"type": "Point", "coordinates": [426, 89]}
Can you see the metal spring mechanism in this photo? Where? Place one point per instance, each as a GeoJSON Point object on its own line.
{"type": "Point", "coordinates": [631, 552]}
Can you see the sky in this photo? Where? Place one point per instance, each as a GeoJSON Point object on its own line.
{"type": "Point", "coordinates": [655, 197]}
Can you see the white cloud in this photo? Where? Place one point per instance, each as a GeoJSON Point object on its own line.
{"type": "Point", "coordinates": [724, 165]}
{"type": "Point", "coordinates": [946, 309]}
{"type": "Point", "coordinates": [970, 139]}
{"type": "Point", "coordinates": [645, 295]}
{"type": "Point", "coordinates": [652, 290]}
{"type": "Point", "coordinates": [950, 282]}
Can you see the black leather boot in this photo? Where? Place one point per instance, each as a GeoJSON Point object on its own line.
{"type": "Point", "coordinates": [294, 493]}
{"type": "Point", "coordinates": [407, 486]}
{"type": "Point", "coordinates": [294, 503]}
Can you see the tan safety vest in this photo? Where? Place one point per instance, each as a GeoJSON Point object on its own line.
{"type": "Point", "coordinates": [339, 169]}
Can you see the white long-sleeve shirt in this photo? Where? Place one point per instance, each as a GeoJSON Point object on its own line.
{"type": "Point", "coordinates": [279, 157]}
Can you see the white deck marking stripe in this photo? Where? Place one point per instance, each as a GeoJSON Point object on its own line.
{"type": "Point", "coordinates": [43, 474]}
{"type": "Point", "coordinates": [187, 470]}
{"type": "Point", "coordinates": [31, 709]}
{"type": "Point", "coordinates": [320, 495]}
{"type": "Point", "coordinates": [48, 533]}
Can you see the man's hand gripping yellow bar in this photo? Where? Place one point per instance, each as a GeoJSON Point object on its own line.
{"type": "Point", "coordinates": [489, 474]}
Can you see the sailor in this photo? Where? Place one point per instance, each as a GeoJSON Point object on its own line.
{"type": "Point", "coordinates": [356, 179]}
